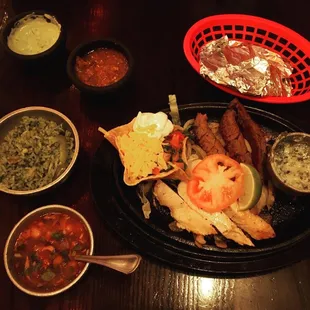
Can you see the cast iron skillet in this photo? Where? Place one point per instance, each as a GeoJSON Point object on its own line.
{"type": "Point", "coordinates": [121, 210]}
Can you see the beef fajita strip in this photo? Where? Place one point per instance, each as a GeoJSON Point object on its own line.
{"type": "Point", "coordinates": [233, 138]}
{"type": "Point", "coordinates": [253, 133]}
{"type": "Point", "coordinates": [206, 139]}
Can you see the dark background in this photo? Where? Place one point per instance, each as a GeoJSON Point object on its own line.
{"type": "Point", "coordinates": [153, 31]}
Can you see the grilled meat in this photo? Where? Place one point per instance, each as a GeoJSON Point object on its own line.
{"type": "Point", "coordinates": [253, 133]}
{"type": "Point", "coordinates": [254, 225]}
{"type": "Point", "coordinates": [206, 139]}
{"type": "Point", "coordinates": [233, 138]}
{"type": "Point", "coordinates": [186, 217]}
{"type": "Point", "coordinates": [218, 219]}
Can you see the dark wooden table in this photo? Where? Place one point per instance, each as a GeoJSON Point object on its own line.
{"type": "Point", "coordinates": [153, 31]}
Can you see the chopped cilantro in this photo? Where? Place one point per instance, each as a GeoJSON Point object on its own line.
{"type": "Point", "coordinates": [57, 235]}
{"type": "Point", "coordinates": [48, 275]}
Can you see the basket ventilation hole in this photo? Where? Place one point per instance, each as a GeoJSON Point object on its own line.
{"type": "Point", "coordinates": [292, 47]}
{"type": "Point", "coordinates": [301, 54]}
{"type": "Point", "coordinates": [278, 48]}
{"type": "Point", "coordinates": [196, 51]}
{"type": "Point", "coordinates": [283, 41]}
{"type": "Point", "coordinates": [300, 85]}
{"type": "Point", "coordinates": [201, 43]}
{"type": "Point", "coordinates": [261, 32]}
{"type": "Point", "coordinates": [198, 37]}
{"type": "Point", "coordinates": [293, 59]}
{"type": "Point", "coordinates": [206, 31]}
{"type": "Point", "coordinates": [272, 35]}
{"type": "Point", "coordinates": [250, 29]}
{"type": "Point", "coordinates": [258, 40]}
{"type": "Point", "coordinates": [269, 43]}
{"type": "Point", "coordinates": [301, 66]}
{"type": "Point", "coordinates": [217, 28]}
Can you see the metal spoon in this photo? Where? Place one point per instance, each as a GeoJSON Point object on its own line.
{"type": "Point", "coordinates": [122, 263]}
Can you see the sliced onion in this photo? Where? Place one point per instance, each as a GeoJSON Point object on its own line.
{"type": "Point", "coordinates": [248, 146]}
{"type": "Point", "coordinates": [142, 191]}
{"type": "Point", "coordinates": [188, 124]}
{"type": "Point", "coordinates": [174, 110]}
{"type": "Point", "coordinates": [271, 195]}
{"type": "Point", "coordinates": [199, 151]}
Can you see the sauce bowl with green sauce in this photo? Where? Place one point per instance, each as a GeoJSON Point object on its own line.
{"type": "Point", "coordinates": [289, 163]}
{"type": "Point", "coordinates": [38, 149]}
{"type": "Point", "coordinates": [32, 35]}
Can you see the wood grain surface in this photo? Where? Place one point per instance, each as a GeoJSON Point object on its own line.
{"type": "Point", "coordinates": [153, 31]}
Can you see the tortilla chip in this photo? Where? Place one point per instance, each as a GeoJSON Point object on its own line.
{"type": "Point", "coordinates": [119, 131]}
{"type": "Point", "coordinates": [114, 137]}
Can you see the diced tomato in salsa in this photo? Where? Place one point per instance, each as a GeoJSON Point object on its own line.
{"type": "Point", "coordinates": [176, 139]}
{"type": "Point", "coordinates": [44, 252]}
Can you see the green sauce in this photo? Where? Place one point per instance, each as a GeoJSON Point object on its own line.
{"type": "Point", "coordinates": [34, 34]}
{"type": "Point", "coordinates": [292, 161]}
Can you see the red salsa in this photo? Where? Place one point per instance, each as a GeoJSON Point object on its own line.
{"type": "Point", "coordinates": [44, 251]}
{"type": "Point", "coordinates": [101, 67]}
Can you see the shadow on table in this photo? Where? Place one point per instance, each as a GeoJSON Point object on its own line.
{"type": "Point", "coordinates": [112, 109]}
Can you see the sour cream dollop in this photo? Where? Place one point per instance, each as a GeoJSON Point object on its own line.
{"type": "Point", "coordinates": [155, 125]}
{"type": "Point", "coordinates": [34, 34]}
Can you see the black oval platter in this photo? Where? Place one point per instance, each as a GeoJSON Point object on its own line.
{"type": "Point", "coordinates": [120, 209]}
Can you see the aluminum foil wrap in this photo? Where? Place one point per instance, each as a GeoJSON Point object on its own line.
{"type": "Point", "coordinates": [249, 68]}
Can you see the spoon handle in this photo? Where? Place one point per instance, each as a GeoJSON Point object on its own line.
{"type": "Point", "coordinates": [122, 263]}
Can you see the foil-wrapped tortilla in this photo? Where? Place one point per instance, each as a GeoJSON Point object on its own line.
{"type": "Point", "coordinates": [249, 68]}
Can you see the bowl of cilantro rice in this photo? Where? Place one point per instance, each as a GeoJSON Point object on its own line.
{"type": "Point", "coordinates": [38, 149]}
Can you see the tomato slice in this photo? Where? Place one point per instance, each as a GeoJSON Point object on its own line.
{"type": "Point", "coordinates": [216, 183]}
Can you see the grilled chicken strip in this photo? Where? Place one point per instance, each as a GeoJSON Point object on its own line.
{"type": "Point", "coordinates": [253, 133]}
{"type": "Point", "coordinates": [218, 219]}
{"type": "Point", "coordinates": [206, 139]}
{"type": "Point", "coordinates": [186, 217]}
{"type": "Point", "coordinates": [233, 138]}
{"type": "Point", "coordinates": [254, 225]}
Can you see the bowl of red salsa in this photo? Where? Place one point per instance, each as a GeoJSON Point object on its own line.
{"type": "Point", "coordinates": [99, 67]}
{"type": "Point", "coordinates": [39, 252]}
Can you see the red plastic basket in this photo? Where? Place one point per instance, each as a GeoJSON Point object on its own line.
{"type": "Point", "coordinates": [259, 31]}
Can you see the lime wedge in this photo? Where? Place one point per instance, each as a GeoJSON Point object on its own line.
{"type": "Point", "coordinates": [252, 188]}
